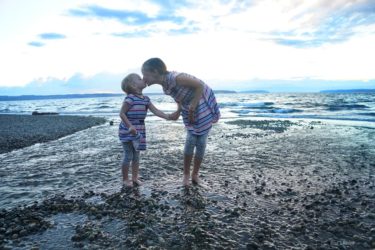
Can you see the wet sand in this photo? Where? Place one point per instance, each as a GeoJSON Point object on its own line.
{"type": "Point", "coordinates": [18, 131]}
{"type": "Point", "coordinates": [266, 185]}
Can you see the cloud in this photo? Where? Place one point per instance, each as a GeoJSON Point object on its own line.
{"type": "Point", "coordinates": [141, 22]}
{"type": "Point", "coordinates": [124, 16]}
{"type": "Point", "coordinates": [76, 84]}
{"type": "Point", "coordinates": [36, 44]}
{"type": "Point", "coordinates": [327, 22]}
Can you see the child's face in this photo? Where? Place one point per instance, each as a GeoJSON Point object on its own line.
{"type": "Point", "coordinates": [150, 77]}
{"type": "Point", "coordinates": [138, 83]}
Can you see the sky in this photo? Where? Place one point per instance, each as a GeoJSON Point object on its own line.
{"type": "Point", "coordinates": [80, 46]}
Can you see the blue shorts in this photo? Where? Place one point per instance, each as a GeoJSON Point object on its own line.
{"type": "Point", "coordinates": [130, 154]}
{"type": "Point", "coordinates": [198, 142]}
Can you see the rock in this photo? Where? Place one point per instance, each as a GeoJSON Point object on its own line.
{"type": "Point", "coordinates": [252, 246]}
{"type": "Point", "coordinates": [23, 232]}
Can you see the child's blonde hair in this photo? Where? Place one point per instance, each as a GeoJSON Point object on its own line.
{"type": "Point", "coordinates": [126, 84]}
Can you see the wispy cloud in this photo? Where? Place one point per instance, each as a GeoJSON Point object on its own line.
{"type": "Point", "coordinates": [51, 36]}
{"type": "Point", "coordinates": [36, 44]}
{"type": "Point", "coordinates": [124, 16]}
{"type": "Point", "coordinates": [327, 22]}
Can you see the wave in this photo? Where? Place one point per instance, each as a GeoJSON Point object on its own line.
{"type": "Point", "coordinates": [104, 107]}
{"type": "Point", "coordinates": [346, 107]}
{"type": "Point", "coordinates": [6, 110]}
{"type": "Point", "coordinates": [246, 105]}
{"type": "Point", "coordinates": [312, 117]}
{"type": "Point", "coordinates": [286, 111]}
{"type": "Point", "coordinates": [271, 110]}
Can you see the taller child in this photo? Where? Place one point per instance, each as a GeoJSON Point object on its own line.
{"type": "Point", "coordinates": [197, 104]}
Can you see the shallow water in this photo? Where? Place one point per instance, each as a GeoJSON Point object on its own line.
{"type": "Point", "coordinates": [275, 188]}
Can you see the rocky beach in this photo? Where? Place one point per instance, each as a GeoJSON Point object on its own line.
{"type": "Point", "coordinates": [266, 184]}
{"type": "Point", "coordinates": [18, 131]}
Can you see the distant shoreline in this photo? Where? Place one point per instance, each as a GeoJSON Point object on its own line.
{"type": "Point", "coordinates": [74, 96]}
{"type": "Point", "coordinates": [349, 91]}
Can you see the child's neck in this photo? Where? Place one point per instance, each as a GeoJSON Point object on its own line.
{"type": "Point", "coordinates": [138, 93]}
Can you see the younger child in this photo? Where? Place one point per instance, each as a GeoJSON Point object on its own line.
{"type": "Point", "coordinates": [132, 131]}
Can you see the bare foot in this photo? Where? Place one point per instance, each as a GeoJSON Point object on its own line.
{"type": "Point", "coordinates": [127, 183]}
{"type": "Point", "coordinates": [185, 180]}
{"type": "Point", "coordinates": [137, 182]}
{"type": "Point", "coordinates": [195, 179]}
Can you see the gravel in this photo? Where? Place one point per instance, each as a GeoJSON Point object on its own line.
{"type": "Point", "coordinates": [18, 131]}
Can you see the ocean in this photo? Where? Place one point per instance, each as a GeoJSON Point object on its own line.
{"type": "Point", "coordinates": [348, 106]}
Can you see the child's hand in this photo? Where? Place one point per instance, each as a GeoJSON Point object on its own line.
{"type": "Point", "coordinates": [191, 114]}
{"type": "Point", "coordinates": [132, 130]}
{"type": "Point", "coordinates": [179, 107]}
{"type": "Point", "coordinates": [174, 116]}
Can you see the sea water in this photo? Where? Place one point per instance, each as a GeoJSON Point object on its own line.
{"type": "Point", "coordinates": [351, 106]}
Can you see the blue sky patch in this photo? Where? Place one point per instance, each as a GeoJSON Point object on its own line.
{"type": "Point", "coordinates": [131, 34]}
{"type": "Point", "coordinates": [51, 36]}
{"type": "Point", "coordinates": [36, 44]}
{"type": "Point", "coordinates": [124, 16]}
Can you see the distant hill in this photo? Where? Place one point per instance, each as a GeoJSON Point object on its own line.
{"type": "Point", "coordinates": [349, 91]}
{"type": "Point", "coordinates": [224, 92]}
{"type": "Point", "coordinates": [255, 91]}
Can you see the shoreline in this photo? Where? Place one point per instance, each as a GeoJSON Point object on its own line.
{"type": "Point", "coordinates": [19, 131]}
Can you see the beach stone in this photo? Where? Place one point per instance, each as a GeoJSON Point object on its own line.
{"type": "Point", "coordinates": [252, 246]}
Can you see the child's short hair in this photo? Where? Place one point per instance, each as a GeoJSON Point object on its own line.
{"type": "Point", "coordinates": [126, 83]}
{"type": "Point", "coordinates": [155, 64]}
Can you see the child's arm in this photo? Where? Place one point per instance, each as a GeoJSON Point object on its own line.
{"type": "Point", "coordinates": [157, 112]}
{"type": "Point", "coordinates": [183, 80]}
{"type": "Point", "coordinates": [124, 109]}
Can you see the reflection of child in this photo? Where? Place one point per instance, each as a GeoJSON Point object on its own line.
{"type": "Point", "coordinates": [132, 131]}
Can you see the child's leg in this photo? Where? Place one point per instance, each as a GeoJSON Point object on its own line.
{"type": "Point", "coordinates": [199, 154]}
{"type": "Point", "coordinates": [188, 156]}
{"type": "Point", "coordinates": [128, 156]}
{"type": "Point", "coordinates": [135, 168]}
{"type": "Point", "coordinates": [125, 175]}
{"type": "Point", "coordinates": [125, 172]}
{"type": "Point", "coordinates": [187, 163]}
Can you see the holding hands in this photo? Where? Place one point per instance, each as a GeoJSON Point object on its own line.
{"type": "Point", "coordinates": [175, 115]}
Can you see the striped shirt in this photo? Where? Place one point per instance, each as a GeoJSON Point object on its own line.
{"type": "Point", "coordinates": [136, 114]}
{"type": "Point", "coordinates": [207, 111]}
